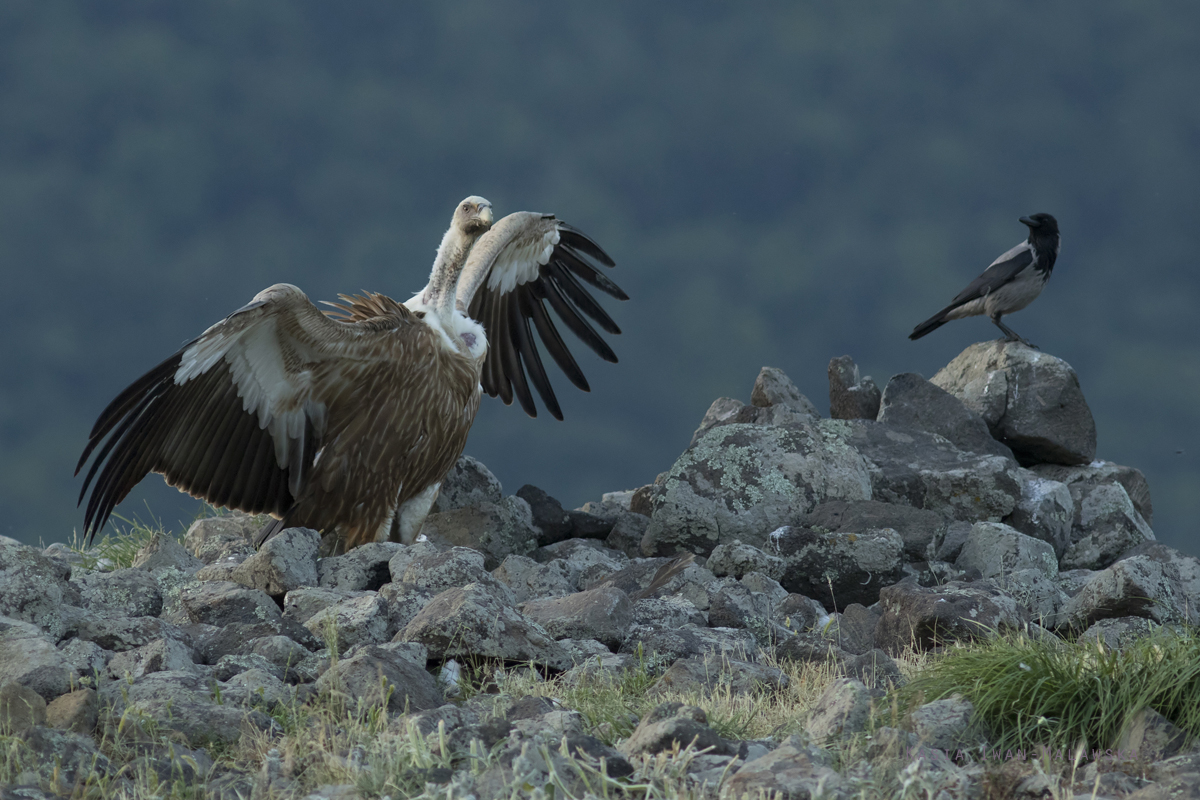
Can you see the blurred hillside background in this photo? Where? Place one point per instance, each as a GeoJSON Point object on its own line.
{"type": "Point", "coordinates": [778, 183]}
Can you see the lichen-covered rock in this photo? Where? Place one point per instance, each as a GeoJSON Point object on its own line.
{"type": "Point", "coordinates": [843, 709]}
{"type": "Point", "coordinates": [794, 770]}
{"type": "Point", "coordinates": [673, 726]}
{"type": "Point", "coordinates": [738, 558]}
{"type": "Point", "coordinates": [497, 530]}
{"type": "Point", "coordinates": [29, 658]}
{"type": "Point", "coordinates": [921, 530]}
{"type": "Point", "coordinates": [1030, 400]}
{"type": "Point", "coordinates": [530, 580]}
{"type": "Point", "coordinates": [663, 645]}
{"type": "Point", "coordinates": [851, 396]}
{"type": "Point", "coordinates": [365, 568]}
{"type": "Point", "coordinates": [33, 587]}
{"type": "Point", "coordinates": [708, 674]}
{"type": "Point", "coordinates": [127, 592]}
{"type": "Point", "coordinates": [284, 562]}
{"type": "Point", "coordinates": [1100, 472]}
{"type": "Point", "coordinates": [934, 617]}
{"type": "Point", "coordinates": [214, 538]}
{"type": "Point", "coordinates": [164, 552]}
{"type": "Point", "coordinates": [739, 482]}
{"type": "Point", "coordinates": [1138, 586]}
{"type": "Point", "coordinates": [404, 601]}
{"type": "Point", "coordinates": [468, 483]}
{"type": "Point", "coordinates": [221, 603]}
{"type": "Point", "coordinates": [994, 549]}
{"type": "Point", "coordinates": [1106, 525]}
{"type": "Point", "coordinates": [352, 621]}
{"type": "Point", "coordinates": [604, 614]}
{"type": "Point", "coordinates": [839, 568]}
{"type": "Point", "coordinates": [458, 566]}
{"type": "Point", "coordinates": [948, 724]}
{"type": "Point", "coordinates": [910, 401]}
{"type": "Point", "coordinates": [1045, 510]}
{"type": "Point", "coordinates": [161, 655]}
{"type": "Point", "coordinates": [473, 621]}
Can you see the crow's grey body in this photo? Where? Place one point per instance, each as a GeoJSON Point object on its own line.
{"type": "Point", "coordinates": [1011, 282]}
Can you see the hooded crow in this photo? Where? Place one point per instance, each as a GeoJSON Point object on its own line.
{"type": "Point", "coordinates": [1013, 281]}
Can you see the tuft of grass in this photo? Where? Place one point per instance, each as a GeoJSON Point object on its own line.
{"type": "Point", "coordinates": [117, 550]}
{"type": "Point", "coordinates": [1048, 692]}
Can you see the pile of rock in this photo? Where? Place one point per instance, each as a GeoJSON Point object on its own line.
{"type": "Point", "coordinates": [930, 512]}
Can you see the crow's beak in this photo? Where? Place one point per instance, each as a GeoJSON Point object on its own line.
{"type": "Point", "coordinates": [1033, 223]}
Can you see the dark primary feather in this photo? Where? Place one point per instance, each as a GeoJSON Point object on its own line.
{"type": "Point", "coordinates": [513, 364]}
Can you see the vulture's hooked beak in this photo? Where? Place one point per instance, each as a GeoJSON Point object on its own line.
{"type": "Point", "coordinates": [485, 214]}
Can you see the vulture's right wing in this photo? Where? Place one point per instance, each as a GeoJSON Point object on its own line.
{"type": "Point", "coordinates": [236, 416]}
{"type": "Point", "coordinates": [527, 265]}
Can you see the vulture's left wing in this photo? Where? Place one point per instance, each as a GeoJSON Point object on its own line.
{"type": "Point", "coordinates": [524, 264]}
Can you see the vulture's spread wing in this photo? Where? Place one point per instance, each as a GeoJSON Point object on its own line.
{"type": "Point", "coordinates": [536, 264]}
{"type": "Point", "coordinates": [1001, 271]}
{"type": "Point", "coordinates": [236, 416]}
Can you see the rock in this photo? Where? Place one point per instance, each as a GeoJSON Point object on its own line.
{"type": "Point", "coordinates": [923, 470]}
{"type": "Point", "coordinates": [799, 613]}
{"type": "Point", "coordinates": [473, 621]}
{"type": "Point", "coordinates": [957, 611]}
{"type": "Point", "coordinates": [746, 604]}
{"type": "Point", "coordinates": [65, 761]}
{"type": "Point", "coordinates": [910, 401]}
{"type": "Point", "coordinates": [256, 688]}
{"type": "Point", "coordinates": [404, 601]}
{"type": "Point", "coordinates": [851, 397]}
{"type": "Point", "coordinates": [1037, 593]}
{"type": "Point", "coordinates": [920, 529]}
{"type": "Point", "coordinates": [722, 410]}
{"type": "Point", "coordinates": [703, 674]}
{"type": "Point", "coordinates": [737, 558]}
{"type": "Point", "coordinates": [1044, 511]}
{"type": "Point", "coordinates": [283, 654]}
{"type": "Point", "coordinates": [792, 771]}
{"type": "Point", "coordinates": [230, 666]}
{"type": "Point", "coordinates": [668, 612]}
{"type": "Point", "coordinates": [352, 621]}
{"type": "Point", "coordinates": [215, 538]}
{"type": "Point", "coordinates": [302, 604]}
{"type": "Point", "coordinates": [855, 628]}
{"type": "Point", "coordinates": [738, 482]}
{"type": "Point", "coordinates": [122, 633]}
{"type": "Point", "coordinates": [627, 533]}
{"type": "Point", "coordinates": [994, 549]}
{"type": "Point", "coordinates": [1133, 587]}
{"type": "Point", "coordinates": [604, 614]}
{"type": "Point", "coordinates": [1030, 400]}
{"type": "Point", "coordinates": [160, 655]}
{"type": "Point", "coordinates": [549, 518]}
{"type": "Point", "coordinates": [164, 552]}
{"type": "Point", "coordinates": [33, 587]}
{"type": "Point", "coordinates": [83, 658]}
{"type": "Point", "coordinates": [126, 592]}
{"type": "Point", "coordinates": [468, 483]}
{"type": "Point", "coordinates": [222, 603]}
{"type": "Point", "coordinates": [843, 709]}
{"type": "Point", "coordinates": [365, 568]}
{"type": "Point", "coordinates": [1117, 633]}
{"type": "Point", "coordinates": [530, 580]}
{"type": "Point", "coordinates": [21, 708]}
{"type": "Point", "coordinates": [664, 646]}
{"type": "Point", "coordinates": [1152, 736]}
{"type": "Point", "coordinates": [773, 388]}
{"type": "Point", "coordinates": [76, 711]}
{"type": "Point", "coordinates": [1101, 472]}
{"type": "Point", "coordinates": [853, 566]}
{"type": "Point", "coordinates": [458, 566]}
{"type": "Point", "coordinates": [28, 658]}
{"type": "Point", "coordinates": [674, 725]}
{"type": "Point", "coordinates": [1106, 525]}
{"type": "Point", "coordinates": [284, 562]}
{"type": "Point", "coordinates": [948, 725]}
{"type": "Point", "coordinates": [497, 530]}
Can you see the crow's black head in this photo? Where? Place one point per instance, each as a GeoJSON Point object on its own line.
{"type": "Point", "coordinates": [1041, 224]}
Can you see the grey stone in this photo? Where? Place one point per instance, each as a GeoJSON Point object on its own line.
{"type": "Point", "coordinates": [530, 580]}
{"type": "Point", "coordinates": [455, 567]}
{"type": "Point", "coordinates": [367, 676]}
{"type": "Point", "coordinates": [161, 655]}
{"type": "Point", "coordinates": [627, 533]}
{"type": "Point", "coordinates": [738, 482]}
{"type": "Point", "coordinates": [33, 587]}
{"type": "Point", "coordinates": [923, 470]}
{"type": "Point", "coordinates": [364, 568]}
{"type": "Point", "coordinates": [994, 549]}
{"type": "Point", "coordinates": [851, 396]}
{"type": "Point", "coordinates": [549, 517]}
{"type": "Point", "coordinates": [674, 725]}
{"type": "Point", "coordinates": [855, 627]}
{"type": "Point", "coordinates": [921, 530]}
{"type": "Point", "coordinates": [734, 604]}
{"type": "Point", "coordinates": [284, 562]}
{"type": "Point", "coordinates": [1040, 595]}
{"type": "Point", "coordinates": [76, 711]}
{"type": "Point", "coordinates": [707, 674]}
{"type": "Point", "coordinates": [1117, 633]}
{"type": "Point", "coordinates": [474, 621]}
{"type": "Point", "coordinates": [352, 621]}
{"type": "Point", "coordinates": [910, 401]}
{"type": "Point", "coordinates": [127, 592]}
{"type": "Point", "coordinates": [934, 617]}
{"type": "Point", "coordinates": [282, 653]}
{"type": "Point", "coordinates": [121, 633]}
{"type": "Point", "coordinates": [164, 552]}
{"type": "Point", "coordinates": [468, 483]}
{"type": "Point", "coordinates": [663, 646]}
{"type": "Point", "coordinates": [1106, 525]}
{"type": "Point", "coordinates": [83, 658]}
{"type": "Point", "coordinates": [404, 601]}
{"type": "Point", "coordinates": [851, 566]}
{"type": "Point", "coordinates": [799, 613]}
{"type": "Point", "coordinates": [302, 604]}
{"type": "Point", "coordinates": [231, 665]}
{"type": "Point", "coordinates": [1134, 587]}
{"type": "Point", "coordinates": [30, 659]}
{"type": "Point", "coordinates": [1152, 736]}
{"type": "Point", "coordinates": [65, 761]}
{"type": "Point", "coordinates": [955, 537]}
{"type": "Point", "coordinates": [1101, 472]}
{"type": "Point", "coordinates": [722, 411]}
{"type": "Point", "coordinates": [948, 725]}
{"type": "Point", "coordinates": [256, 688]}
{"type": "Point", "coordinates": [1044, 511]}
{"type": "Point", "coordinates": [738, 558]}
{"type": "Point", "coordinates": [214, 538]}
{"type": "Point", "coordinates": [792, 771]}
{"type": "Point", "coordinates": [221, 603]}
{"type": "Point", "coordinates": [21, 708]}
{"type": "Point", "coordinates": [1030, 400]}
{"type": "Point", "coordinates": [497, 530]}
{"type": "Point", "coordinates": [669, 612]}
{"type": "Point", "coordinates": [604, 614]}
{"type": "Point", "coordinates": [773, 388]}
{"type": "Point", "coordinates": [843, 709]}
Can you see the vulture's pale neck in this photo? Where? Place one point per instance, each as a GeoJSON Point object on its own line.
{"type": "Point", "coordinates": [443, 279]}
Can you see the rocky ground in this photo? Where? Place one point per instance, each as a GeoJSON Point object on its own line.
{"type": "Point", "coordinates": [931, 513]}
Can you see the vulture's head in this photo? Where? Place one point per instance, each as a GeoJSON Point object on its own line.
{"type": "Point", "coordinates": [473, 216]}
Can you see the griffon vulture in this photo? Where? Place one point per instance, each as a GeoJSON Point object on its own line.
{"type": "Point", "coordinates": [347, 420]}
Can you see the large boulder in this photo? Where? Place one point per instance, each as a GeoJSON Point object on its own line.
{"type": "Point", "coordinates": [913, 402]}
{"type": "Point", "coordinates": [853, 566]}
{"type": "Point", "coordinates": [33, 587]}
{"type": "Point", "coordinates": [739, 482]}
{"type": "Point", "coordinates": [1031, 401]}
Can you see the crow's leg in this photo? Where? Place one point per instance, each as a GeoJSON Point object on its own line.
{"type": "Point", "coordinates": [1010, 335]}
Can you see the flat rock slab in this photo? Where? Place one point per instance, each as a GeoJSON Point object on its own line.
{"type": "Point", "coordinates": [913, 402]}
{"type": "Point", "coordinates": [937, 616]}
{"type": "Point", "coordinates": [604, 614]}
{"type": "Point", "coordinates": [1030, 400]}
